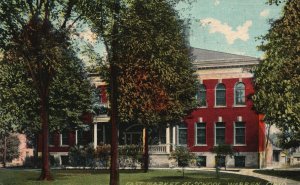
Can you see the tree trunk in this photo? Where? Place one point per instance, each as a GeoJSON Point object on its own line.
{"type": "Point", "coordinates": [114, 166]}
{"type": "Point", "coordinates": [146, 151]}
{"type": "Point", "coordinates": [45, 173]}
{"type": "Point", "coordinates": [4, 152]}
{"type": "Point", "coordinates": [266, 147]}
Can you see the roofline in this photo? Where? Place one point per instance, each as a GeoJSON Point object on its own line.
{"type": "Point", "coordinates": [226, 53]}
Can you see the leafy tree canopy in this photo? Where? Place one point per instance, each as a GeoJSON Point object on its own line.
{"type": "Point", "coordinates": [156, 81]}
{"type": "Point", "coordinates": [277, 78]}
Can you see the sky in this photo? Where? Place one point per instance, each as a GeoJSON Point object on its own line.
{"type": "Point", "coordinates": [230, 26]}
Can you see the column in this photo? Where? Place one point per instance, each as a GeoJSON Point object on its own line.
{"type": "Point", "coordinates": [174, 137]}
{"type": "Point", "coordinates": [168, 139]}
{"type": "Point", "coordinates": [95, 135]}
{"type": "Point", "coordinates": [144, 139]}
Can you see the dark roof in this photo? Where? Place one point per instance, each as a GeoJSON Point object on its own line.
{"type": "Point", "coordinates": [203, 58]}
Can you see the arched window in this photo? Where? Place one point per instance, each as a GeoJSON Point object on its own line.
{"type": "Point", "coordinates": [239, 94]}
{"type": "Point", "coordinates": [220, 95]}
{"type": "Point", "coordinates": [201, 96]}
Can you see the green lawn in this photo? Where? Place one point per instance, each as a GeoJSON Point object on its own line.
{"type": "Point", "coordinates": [153, 177]}
{"type": "Point", "coordinates": [294, 175]}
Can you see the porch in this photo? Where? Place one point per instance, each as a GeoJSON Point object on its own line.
{"type": "Point", "coordinates": [161, 140]}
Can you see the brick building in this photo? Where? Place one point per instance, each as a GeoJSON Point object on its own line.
{"type": "Point", "coordinates": [224, 115]}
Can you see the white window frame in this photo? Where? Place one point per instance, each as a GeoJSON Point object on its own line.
{"type": "Point", "coordinates": [61, 143]}
{"type": "Point", "coordinates": [186, 128]}
{"type": "Point", "coordinates": [215, 133]}
{"type": "Point", "coordinates": [234, 133]}
{"type": "Point", "coordinates": [220, 106]}
{"type": "Point", "coordinates": [234, 97]}
{"type": "Point", "coordinates": [196, 135]}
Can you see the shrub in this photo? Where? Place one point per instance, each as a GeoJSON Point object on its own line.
{"type": "Point", "coordinates": [130, 156]}
{"type": "Point", "coordinates": [82, 156]}
{"type": "Point", "coordinates": [102, 155]}
{"type": "Point", "coordinates": [183, 157]}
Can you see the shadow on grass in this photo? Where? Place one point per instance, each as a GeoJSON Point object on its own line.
{"type": "Point", "coordinates": [294, 175]}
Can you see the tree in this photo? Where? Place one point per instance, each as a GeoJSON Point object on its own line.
{"type": "Point", "coordinates": [156, 68]}
{"type": "Point", "coordinates": [183, 157]}
{"type": "Point", "coordinates": [9, 147]}
{"type": "Point", "coordinates": [35, 35]}
{"type": "Point", "coordinates": [222, 151]}
{"type": "Point", "coordinates": [144, 62]}
{"type": "Point", "coordinates": [277, 77]}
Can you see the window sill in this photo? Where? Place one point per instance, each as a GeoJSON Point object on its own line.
{"type": "Point", "coordinates": [200, 145]}
{"type": "Point", "coordinates": [51, 145]}
{"type": "Point", "coordinates": [239, 106]}
{"type": "Point", "coordinates": [202, 107]}
{"type": "Point", "coordinates": [239, 145]}
{"type": "Point", "coordinates": [64, 145]}
{"type": "Point", "coordinates": [220, 106]}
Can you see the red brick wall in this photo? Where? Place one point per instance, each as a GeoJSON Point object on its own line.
{"type": "Point", "coordinates": [56, 147]}
{"type": "Point", "coordinates": [229, 115]}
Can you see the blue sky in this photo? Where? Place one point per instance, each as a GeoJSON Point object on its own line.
{"type": "Point", "coordinates": [229, 25]}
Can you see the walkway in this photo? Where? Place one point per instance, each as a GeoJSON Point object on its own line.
{"type": "Point", "coordinates": [249, 172]}
{"type": "Point", "coordinates": [272, 179]}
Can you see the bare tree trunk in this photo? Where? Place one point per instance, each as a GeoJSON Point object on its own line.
{"type": "Point", "coordinates": [45, 173]}
{"type": "Point", "coordinates": [146, 151]}
{"type": "Point", "coordinates": [267, 143]}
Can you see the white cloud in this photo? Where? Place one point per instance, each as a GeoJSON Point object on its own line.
{"type": "Point", "coordinates": [216, 26]}
{"type": "Point", "coordinates": [216, 2]}
{"type": "Point", "coordinates": [265, 13]}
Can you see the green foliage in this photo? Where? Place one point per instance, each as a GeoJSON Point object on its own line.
{"type": "Point", "coordinates": [277, 77]}
{"type": "Point", "coordinates": [155, 68]}
{"type": "Point", "coordinates": [183, 156]}
{"type": "Point", "coordinates": [82, 156]}
{"type": "Point", "coordinates": [70, 97]}
{"type": "Point", "coordinates": [288, 140]}
{"type": "Point", "coordinates": [223, 150]}
{"type": "Point", "coordinates": [102, 154]}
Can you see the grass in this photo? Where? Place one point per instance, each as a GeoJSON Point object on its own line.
{"type": "Point", "coordinates": [101, 177]}
{"type": "Point", "coordinates": [289, 174]}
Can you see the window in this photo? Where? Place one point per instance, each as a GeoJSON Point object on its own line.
{"type": "Point", "coordinates": [276, 155]}
{"type": "Point", "coordinates": [239, 133]}
{"type": "Point", "coordinates": [201, 96]}
{"type": "Point", "coordinates": [64, 138]}
{"type": "Point", "coordinates": [220, 95]}
{"type": "Point", "coordinates": [239, 161]}
{"type": "Point", "coordinates": [200, 133]}
{"type": "Point", "coordinates": [239, 94]}
{"type": "Point", "coordinates": [201, 161]}
{"type": "Point", "coordinates": [220, 133]}
{"type": "Point", "coordinates": [82, 137]}
{"type": "Point", "coordinates": [182, 134]}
